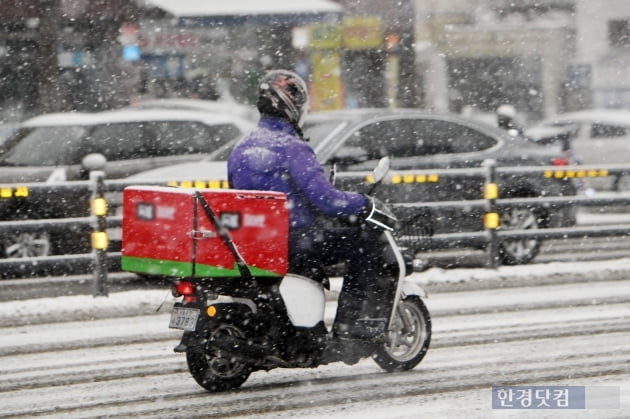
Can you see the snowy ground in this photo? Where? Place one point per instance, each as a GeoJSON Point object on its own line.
{"type": "Point", "coordinates": [464, 347]}
{"type": "Point", "coordinates": [142, 302]}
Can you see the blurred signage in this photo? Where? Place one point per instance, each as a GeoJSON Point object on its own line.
{"type": "Point", "coordinates": [326, 89]}
{"type": "Point", "coordinates": [128, 34]}
{"type": "Point", "coordinates": [327, 92]}
{"type": "Point", "coordinates": [325, 36]}
{"type": "Point", "coordinates": [165, 66]}
{"type": "Point", "coordinates": [128, 38]}
{"type": "Point", "coordinates": [362, 32]}
{"type": "Point", "coordinates": [131, 52]}
{"type": "Point", "coordinates": [391, 79]}
{"type": "Point", "coordinates": [164, 40]}
{"type": "Point", "coordinates": [74, 58]}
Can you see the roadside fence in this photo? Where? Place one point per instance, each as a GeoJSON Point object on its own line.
{"type": "Point", "coordinates": [102, 260]}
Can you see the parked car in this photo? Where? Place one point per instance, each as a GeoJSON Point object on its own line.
{"type": "Point", "coordinates": [592, 137]}
{"type": "Point", "coordinates": [222, 106]}
{"type": "Point", "coordinates": [354, 140]}
{"type": "Point", "coordinates": [53, 148]}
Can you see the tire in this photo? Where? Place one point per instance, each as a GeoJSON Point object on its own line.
{"type": "Point", "coordinates": [405, 349]}
{"type": "Point", "coordinates": [215, 371]}
{"type": "Point", "coordinates": [521, 251]}
{"type": "Point", "coordinates": [26, 244]}
{"type": "Point", "coordinates": [22, 244]}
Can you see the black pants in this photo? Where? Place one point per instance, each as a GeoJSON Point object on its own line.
{"type": "Point", "coordinates": [370, 267]}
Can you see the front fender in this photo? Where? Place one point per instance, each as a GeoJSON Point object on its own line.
{"type": "Point", "coordinates": [410, 288]}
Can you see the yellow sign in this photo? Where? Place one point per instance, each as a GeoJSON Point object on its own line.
{"type": "Point", "coordinates": [362, 32]}
{"type": "Point", "coordinates": [326, 91]}
{"type": "Point", "coordinates": [325, 36]}
{"type": "Point", "coordinates": [14, 192]}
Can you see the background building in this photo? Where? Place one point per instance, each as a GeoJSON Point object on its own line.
{"type": "Point", "coordinates": [602, 61]}
{"type": "Point", "coordinates": [542, 56]}
{"type": "Point", "coordinates": [61, 54]}
{"type": "Point", "coordinates": [484, 54]}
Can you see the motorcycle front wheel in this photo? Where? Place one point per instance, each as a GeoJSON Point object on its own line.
{"type": "Point", "coordinates": [408, 339]}
{"type": "Point", "coordinates": [215, 370]}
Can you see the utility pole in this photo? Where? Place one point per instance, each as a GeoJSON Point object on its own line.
{"type": "Point", "coordinates": [407, 79]}
{"type": "Point", "coordinates": [48, 63]}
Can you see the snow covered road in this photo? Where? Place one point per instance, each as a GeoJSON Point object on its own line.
{"type": "Point", "coordinates": [84, 357]}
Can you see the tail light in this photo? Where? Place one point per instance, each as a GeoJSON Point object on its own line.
{"type": "Point", "coordinates": [561, 161]}
{"type": "Point", "coordinates": [186, 289]}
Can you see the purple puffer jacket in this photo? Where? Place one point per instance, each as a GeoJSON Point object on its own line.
{"type": "Point", "coordinates": [274, 158]}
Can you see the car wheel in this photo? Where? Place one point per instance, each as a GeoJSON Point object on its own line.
{"type": "Point", "coordinates": [26, 244]}
{"type": "Point", "coordinates": [520, 251]}
{"type": "Point", "coordinates": [21, 244]}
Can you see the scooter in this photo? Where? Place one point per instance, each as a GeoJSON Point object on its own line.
{"type": "Point", "coordinates": [235, 327]}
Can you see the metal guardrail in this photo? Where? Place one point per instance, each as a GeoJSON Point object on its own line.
{"type": "Point", "coordinates": [100, 260]}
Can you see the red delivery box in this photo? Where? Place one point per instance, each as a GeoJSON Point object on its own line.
{"type": "Point", "coordinates": [170, 231]}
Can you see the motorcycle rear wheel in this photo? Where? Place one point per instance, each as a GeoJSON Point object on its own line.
{"type": "Point", "coordinates": [216, 371]}
{"type": "Point", "coordinates": [406, 345]}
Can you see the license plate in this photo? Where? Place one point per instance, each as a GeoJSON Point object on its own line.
{"type": "Point", "coordinates": [184, 318]}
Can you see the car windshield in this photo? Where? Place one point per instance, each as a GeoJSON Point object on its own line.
{"type": "Point", "coordinates": [44, 146]}
{"type": "Point", "coordinates": [6, 130]}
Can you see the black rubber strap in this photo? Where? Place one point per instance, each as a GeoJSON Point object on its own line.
{"type": "Point", "coordinates": [225, 236]}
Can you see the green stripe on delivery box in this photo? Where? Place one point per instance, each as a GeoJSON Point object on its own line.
{"type": "Point", "coordinates": [185, 269]}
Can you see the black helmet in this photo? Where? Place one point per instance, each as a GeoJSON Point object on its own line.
{"type": "Point", "coordinates": [283, 93]}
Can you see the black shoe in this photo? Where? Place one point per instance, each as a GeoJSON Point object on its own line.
{"type": "Point", "coordinates": [362, 329]}
{"type": "Point", "coordinates": [180, 348]}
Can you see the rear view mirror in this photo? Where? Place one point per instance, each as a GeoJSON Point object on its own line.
{"type": "Point", "coordinates": [381, 169]}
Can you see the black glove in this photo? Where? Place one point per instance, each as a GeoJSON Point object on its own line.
{"type": "Point", "coordinates": [378, 214]}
